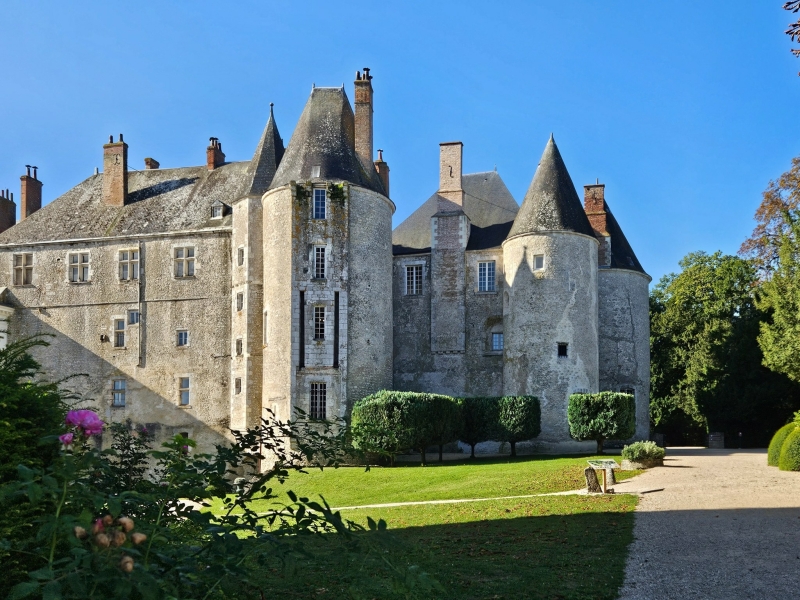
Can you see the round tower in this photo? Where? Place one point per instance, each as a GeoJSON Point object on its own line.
{"type": "Point", "coordinates": [550, 308]}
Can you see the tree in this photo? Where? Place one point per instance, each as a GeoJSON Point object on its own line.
{"type": "Point", "coordinates": [600, 417]}
{"type": "Point", "coordinates": [479, 420]}
{"type": "Point", "coordinates": [447, 421]}
{"type": "Point", "coordinates": [794, 28]}
{"type": "Point", "coordinates": [519, 419]}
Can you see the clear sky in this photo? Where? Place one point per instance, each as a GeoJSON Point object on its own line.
{"type": "Point", "coordinates": [685, 109]}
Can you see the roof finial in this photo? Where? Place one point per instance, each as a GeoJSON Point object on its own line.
{"type": "Point", "coordinates": [380, 154]}
{"type": "Point", "coordinates": [271, 104]}
{"type": "Point", "coordinates": [597, 181]}
{"type": "Point", "coordinates": [551, 137]}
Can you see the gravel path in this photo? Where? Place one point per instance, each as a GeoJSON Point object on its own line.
{"type": "Point", "coordinates": [714, 524]}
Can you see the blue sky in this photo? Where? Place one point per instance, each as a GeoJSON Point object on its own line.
{"type": "Point", "coordinates": [684, 109]}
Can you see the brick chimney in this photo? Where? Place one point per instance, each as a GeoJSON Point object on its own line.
{"type": "Point", "coordinates": [451, 195]}
{"type": "Point", "coordinates": [8, 210]}
{"type": "Point", "coordinates": [594, 203]}
{"type": "Point", "coordinates": [115, 172]}
{"type": "Point", "coordinates": [383, 171]}
{"type": "Point", "coordinates": [214, 156]}
{"type": "Point", "coordinates": [151, 163]}
{"type": "Point", "coordinates": [363, 85]}
{"type": "Point", "coordinates": [30, 194]}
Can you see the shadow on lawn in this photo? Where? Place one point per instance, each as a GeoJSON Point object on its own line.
{"type": "Point", "coordinates": [574, 556]}
{"type": "Point", "coordinates": [414, 461]}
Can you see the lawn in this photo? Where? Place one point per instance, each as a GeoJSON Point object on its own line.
{"type": "Point", "coordinates": [551, 547]}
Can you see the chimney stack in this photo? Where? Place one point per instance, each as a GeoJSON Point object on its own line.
{"type": "Point", "coordinates": [8, 210]}
{"type": "Point", "coordinates": [31, 193]}
{"type": "Point", "coordinates": [451, 195]}
{"type": "Point", "coordinates": [383, 171]}
{"type": "Point", "coordinates": [115, 172]}
{"type": "Point", "coordinates": [214, 156]}
{"type": "Point", "coordinates": [151, 163]}
{"type": "Point", "coordinates": [363, 85]}
{"type": "Point", "coordinates": [594, 204]}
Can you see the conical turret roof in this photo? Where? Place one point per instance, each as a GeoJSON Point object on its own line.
{"type": "Point", "coordinates": [266, 159]}
{"type": "Point", "coordinates": [551, 203]}
{"type": "Point", "coordinates": [325, 138]}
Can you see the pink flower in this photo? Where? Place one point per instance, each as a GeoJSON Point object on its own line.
{"type": "Point", "coordinates": [66, 439]}
{"type": "Point", "coordinates": [86, 420]}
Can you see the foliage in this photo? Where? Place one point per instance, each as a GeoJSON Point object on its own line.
{"type": "Point", "coordinates": [643, 450]}
{"type": "Point", "coordinates": [181, 550]}
{"type": "Point", "coordinates": [774, 451]}
{"type": "Point", "coordinates": [336, 193]}
{"type": "Point", "coordinates": [600, 417]}
{"type": "Point", "coordinates": [479, 420]}
{"type": "Point", "coordinates": [519, 418]}
{"type": "Point", "coordinates": [794, 28]}
{"type": "Point", "coordinates": [790, 452]}
{"type": "Point", "coordinates": [376, 427]}
{"type": "Point", "coordinates": [706, 369]}
{"type": "Point", "coordinates": [447, 420]}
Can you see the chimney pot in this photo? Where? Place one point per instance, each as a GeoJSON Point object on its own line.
{"type": "Point", "coordinates": [30, 193]}
{"type": "Point", "coordinates": [111, 139]}
{"type": "Point", "coordinates": [151, 163]}
{"type": "Point", "coordinates": [34, 172]}
{"type": "Point", "coordinates": [214, 155]}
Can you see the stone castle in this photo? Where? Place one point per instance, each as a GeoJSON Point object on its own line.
{"type": "Point", "coordinates": [196, 298]}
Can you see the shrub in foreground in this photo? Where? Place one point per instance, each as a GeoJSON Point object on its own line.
{"type": "Point", "coordinates": [519, 418]}
{"type": "Point", "coordinates": [479, 420]}
{"type": "Point", "coordinates": [600, 417]}
{"type": "Point", "coordinates": [774, 451]}
{"type": "Point", "coordinates": [642, 451]}
{"type": "Point", "coordinates": [790, 452]}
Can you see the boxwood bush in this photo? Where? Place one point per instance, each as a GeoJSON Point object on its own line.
{"type": "Point", "coordinates": [519, 418]}
{"type": "Point", "coordinates": [600, 417]}
{"type": "Point", "coordinates": [774, 451]}
{"type": "Point", "coordinates": [479, 420]}
{"type": "Point", "coordinates": [376, 425]}
{"type": "Point", "coordinates": [641, 451]}
{"type": "Point", "coordinates": [790, 452]}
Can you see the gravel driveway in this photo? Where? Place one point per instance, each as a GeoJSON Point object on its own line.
{"type": "Point", "coordinates": [714, 524]}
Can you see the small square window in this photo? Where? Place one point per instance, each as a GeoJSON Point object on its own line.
{"type": "Point", "coordinates": [239, 347]}
{"type": "Point", "coordinates": [538, 262]}
{"type": "Point", "coordinates": [237, 385]}
{"type": "Point", "coordinates": [182, 337]}
{"type": "Point", "coordinates": [628, 390]}
{"type": "Point", "coordinates": [128, 265]}
{"type": "Point", "coordinates": [413, 280]}
{"type": "Point", "coordinates": [119, 333]}
{"type": "Point", "coordinates": [319, 262]}
{"type": "Point", "coordinates": [497, 342]}
{"type": "Point", "coordinates": [79, 267]}
{"type": "Point", "coordinates": [239, 301]}
{"type": "Point", "coordinates": [319, 322]}
{"type": "Point", "coordinates": [118, 389]}
{"type": "Point", "coordinates": [562, 350]}
{"type": "Point", "coordinates": [318, 401]}
{"type": "Point", "coordinates": [184, 391]}
{"type": "Point", "coordinates": [184, 261]}
{"type": "Point", "coordinates": [133, 317]}
{"type": "Point", "coordinates": [217, 211]}
{"type": "Point", "coordinates": [240, 256]}
{"type": "Point", "coordinates": [319, 204]}
{"type": "Point", "coordinates": [486, 276]}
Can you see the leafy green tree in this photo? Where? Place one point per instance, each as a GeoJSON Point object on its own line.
{"type": "Point", "coordinates": [447, 421]}
{"type": "Point", "coordinates": [376, 425]}
{"type": "Point", "coordinates": [519, 418]}
{"type": "Point", "coordinates": [600, 417]}
{"type": "Point", "coordinates": [480, 420]}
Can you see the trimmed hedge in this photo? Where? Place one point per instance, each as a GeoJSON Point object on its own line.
{"type": "Point", "coordinates": [639, 451]}
{"type": "Point", "coordinates": [479, 420]}
{"type": "Point", "coordinates": [376, 425]}
{"type": "Point", "coordinates": [602, 416]}
{"type": "Point", "coordinates": [519, 418]}
{"type": "Point", "coordinates": [790, 452]}
{"type": "Point", "coordinates": [447, 421]}
{"type": "Point", "coordinates": [774, 451]}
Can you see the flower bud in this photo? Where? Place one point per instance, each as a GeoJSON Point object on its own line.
{"type": "Point", "coordinates": [138, 538]}
{"type": "Point", "coordinates": [126, 564]}
{"type": "Point", "coordinates": [118, 538]}
{"type": "Point", "coordinates": [126, 523]}
{"type": "Point", "coordinates": [101, 539]}
{"type": "Point", "coordinates": [80, 532]}
{"type": "Point", "coordinates": [97, 527]}
{"type": "Point", "coordinates": [108, 520]}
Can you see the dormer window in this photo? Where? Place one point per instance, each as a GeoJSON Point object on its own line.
{"type": "Point", "coordinates": [217, 210]}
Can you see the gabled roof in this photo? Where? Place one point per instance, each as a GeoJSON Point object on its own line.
{"type": "Point", "coordinates": [266, 159]}
{"type": "Point", "coordinates": [622, 255]}
{"type": "Point", "coordinates": [487, 202]}
{"type": "Point", "coordinates": [551, 203]}
{"type": "Point", "coordinates": [325, 138]}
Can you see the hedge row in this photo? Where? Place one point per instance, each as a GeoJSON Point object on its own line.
{"type": "Point", "coordinates": [602, 416]}
{"type": "Point", "coordinates": [389, 422]}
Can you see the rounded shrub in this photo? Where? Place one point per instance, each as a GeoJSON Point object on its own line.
{"type": "Point", "coordinates": [519, 419]}
{"type": "Point", "coordinates": [479, 420]}
{"type": "Point", "coordinates": [602, 416]}
{"type": "Point", "coordinates": [790, 452]}
{"type": "Point", "coordinates": [642, 451]}
{"type": "Point", "coordinates": [774, 451]}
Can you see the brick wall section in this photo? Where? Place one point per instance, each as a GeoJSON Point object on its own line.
{"type": "Point", "coordinates": [363, 119]}
{"type": "Point", "coordinates": [595, 206]}
{"type": "Point", "coordinates": [8, 212]}
{"type": "Point", "coordinates": [115, 173]}
{"type": "Point", "coordinates": [30, 196]}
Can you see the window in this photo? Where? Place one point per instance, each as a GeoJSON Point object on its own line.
{"type": "Point", "coordinates": [240, 301]}
{"type": "Point", "coordinates": [497, 342]}
{"type": "Point", "coordinates": [133, 317]}
{"type": "Point", "coordinates": [184, 262]}
{"type": "Point", "coordinates": [237, 385]}
{"type": "Point", "coordinates": [239, 346]}
{"type": "Point", "coordinates": [23, 269]}
{"type": "Point", "coordinates": [119, 333]}
{"type": "Point", "coordinates": [319, 262]}
{"type": "Point", "coordinates": [128, 265]}
{"type": "Point", "coordinates": [183, 391]}
{"type": "Point", "coordinates": [118, 387]}
{"type": "Point", "coordinates": [413, 280]}
{"type": "Point", "coordinates": [538, 262]}
{"type": "Point", "coordinates": [319, 204]}
{"type": "Point", "coordinates": [216, 211]}
{"type": "Point", "coordinates": [182, 337]}
{"type": "Point", "coordinates": [319, 322]}
{"type": "Point", "coordinates": [562, 350]}
{"type": "Point", "coordinates": [628, 390]}
{"type": "Point", "coordinates": [78, 267]}
{"type": "Point", "coordinates": [318, 399]}
{"type": "Point", "coordinates": [240, 256]}
{"type": "Point", "coordinates": [486, 276]}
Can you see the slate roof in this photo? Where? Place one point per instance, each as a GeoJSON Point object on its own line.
{"type": "Point", "coordinates": [622, 255]}
{"type": "Point", "coordinates": [487, 202]}
{"type": "Point", "coordinates": [266, 159]}
{"type": "Point", "coordinates": [325, 138]}
{"type": "Point", "coordinates": [551, 203]}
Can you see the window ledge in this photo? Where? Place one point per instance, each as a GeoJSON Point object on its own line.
{"type": "Point", "coordinates": [319, 279]}
{"type": "Point", "coordinates": [413, 295]}
{"type": "Point", "coordinates": [486, 292]}
{"type": "Point", "coordinates": [185, 406]}
{"type": "Point", "coordinates": [79, 282]}
{"type": "Point", "coordinates": [186, 277]}
{"type": "Point", "coordinates": [23, 285]}
{"type": "Point", "coordinates": [493, 353]}
{"type": "Point", "coordinates": [118, 406]}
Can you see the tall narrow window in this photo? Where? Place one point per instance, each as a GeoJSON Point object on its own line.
{"type": "Point", "coordinates": [336, 329]}
{"type": "Point", "coordinates": [237, 385]}
{"type": "Point", "coordinates": [538, 262]}
{"type": "Point", "coordinates": [183, 390]}
{"type": "Point", "coordinates": [239, 347]}
{"type": "Point", "coordinates": [319, 394]}
{"type": "Point", "coordinates": [486, 276]}
{"type": "Point", "coordinates": [302, 310]}
{"type": "Point", "coordinates": [239, 301]}
{"type": "Point", "coordinates": [240, 256]}
{"type": "Point", "coordinates": [319, 262]}
{"type": "Point", "coordinates": [119, 333]}
{"type": "Point", "coordinates": [562, 350]}
{"type": "Point", "coordinates": [184, 262]}
{"type": "Point", "coordinates": [497, 342]}
{"type": "Point", "coordinates": [23, 269]}
{"type": "Point", "coordinates": [413, 280]}
{"type": "Point", "coordinates": [118, 389]}
{"type": "Point", "coordinates": [319, 322]}
{"type": "Point", "coordinates": [128, 265]}
{"type": "Point", "coordinates": [79, 267]}
{"type": "Point", "coordinates": [133, 317]}
{"type": "Point", "coordinates": [182, 337]}
{"type": "Point", "coordinates": [319, 204]}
